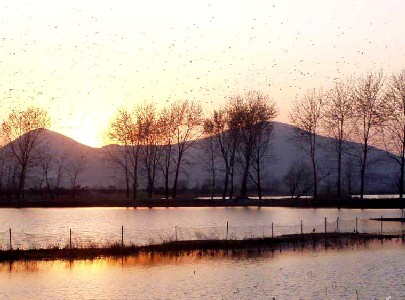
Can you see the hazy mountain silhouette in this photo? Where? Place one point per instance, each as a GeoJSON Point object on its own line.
{"type": "Point", "coordinates": [100, 173]}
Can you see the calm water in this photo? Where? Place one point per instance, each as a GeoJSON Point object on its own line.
{"type": "Point", "coordinates": [39, 227]}
{"type": "Point", "coordinates": [374, 272]}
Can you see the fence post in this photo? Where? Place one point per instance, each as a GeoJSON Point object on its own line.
{"type": "Point", "coordinates": [356, 225]}
{"type": "Point", "coordinates": [11, 245]}
{"type": "Point", "coordinates": [381, 224]}
{"type": "Point", "coordinates": [70, 238]}
{"type": "Point", "coordinates": [175, 231]}
{"type": "Point", "coordinates": [122, 236]}
{"type": "Point", "coordinates": [272, 230]}
{"type": "Point", "coordinates": [325, 225]}
{"type": "Point", "coordinates": [227, 228]}
{"type": "Point", "coordinates": [301, 228]}
{"type": "Point", "coordinates": [337, 224]}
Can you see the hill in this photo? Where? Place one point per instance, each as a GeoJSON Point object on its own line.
{"type": "Point", "coordinates": [99, 172]}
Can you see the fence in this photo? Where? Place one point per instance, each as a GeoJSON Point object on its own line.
{"type": "Point", "coordinates": [21, 239]}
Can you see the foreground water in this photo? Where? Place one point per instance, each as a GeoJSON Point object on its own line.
{"type": "Point", "coordinates": [41, 227]}
{"type": "Point", "coordinates": [371, 272]}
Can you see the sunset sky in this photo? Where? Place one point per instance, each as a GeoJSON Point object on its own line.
{"type": "Point", "coordinates": [82, 59]}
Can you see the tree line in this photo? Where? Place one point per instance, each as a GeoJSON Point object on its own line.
{"type": "Point", "coordinates": [236, 140]}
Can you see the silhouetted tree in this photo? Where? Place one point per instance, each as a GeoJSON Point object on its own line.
{"type": "Point", "coordinates": [75, 166]}
{"type": "Point", "coordinates": [296, 178]}
{"type": "Point", "coordinates": [251, 116]}
{"type": "Point", "coordinates": [337, 117]}
{"type": "Point", "coordinates": [307, 115]}
{"type": "Point", "coordinates": [22, 131]}
{"type": "Point", "coordinates": [150, 136]}
{"type": "Point", "coordinates": [369, 116]}
{"type": "Point", "coordinates": [394, 127]}
{"type": "Point", "coordinates": [188, 120]}
{"type": "Point", "coordinates": [225, 140]}
{"type": "Point", "coordinates": [45, 164]}
{"type": "Point", "coordinates": [125, 131]}
{"type": "Point", "coordinates": [167, 126]}
{"type": "Point", "coordinates": [209, 153]}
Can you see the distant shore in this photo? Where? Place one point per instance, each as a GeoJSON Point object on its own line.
{"type": "Point", "coordinates": [389, 203]}
{"type": "Point", "coordinates": [257, 245]}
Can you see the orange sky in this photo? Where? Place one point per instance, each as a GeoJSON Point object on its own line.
{"type": "Point", "coordinates": [83, 59]}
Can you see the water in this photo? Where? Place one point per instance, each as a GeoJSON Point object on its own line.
{"type": "Point", "coordinates": [41, 227]}
{"type": "Point", "coordinates": [373, 272]}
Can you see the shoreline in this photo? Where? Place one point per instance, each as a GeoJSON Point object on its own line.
{"type": "Point", "coordinates": [257, 245]}
{"type": "Point", "coordinates": [354, 203]}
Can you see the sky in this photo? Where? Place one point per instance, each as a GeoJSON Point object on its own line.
{"type": "Point", "coordinates": [83, 59]}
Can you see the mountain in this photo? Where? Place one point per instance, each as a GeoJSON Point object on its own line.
{"type": "Point", "coordinates": [99, 172]}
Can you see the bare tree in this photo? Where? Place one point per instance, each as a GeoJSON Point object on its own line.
{"type": "Point", "coordinates": [296, 177]}
{"type": "Point", "coordinates": [225, 140]}
{"type": "Point", "coordinates": [209, 153]}
{"type": "Point", "coordinates": [394, 129]}
{"type": "Point", "coordinates": [369, 116]}
{"type": "Point", "coordinates": [45, 164]}
{"type": "Point", "coordinates": [23, 131]}
{"type": "Point", "coordinates": [60, 165]}
{"type": "Point", "coordinates": [75, 167]}
{"type": "Point", "coordinates": [187, 120]}
{"type": "Point", "coordinates": [151, 150]}
{"type": "Point", "coordinates": [167, 124]}
{"type": "Point", "coordinates": [338, 114]}
{"type": "Point", "coordinates": [125, 131]}
{"type": "Point", "coordinates": [252, 115]}
{"type": "Point", "coordinates": [307, 115]}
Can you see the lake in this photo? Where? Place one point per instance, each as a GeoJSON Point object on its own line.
{"type": "Point", "coordinates": [41, 227]}
{"type": "Point", "coordinates": [371, 272]}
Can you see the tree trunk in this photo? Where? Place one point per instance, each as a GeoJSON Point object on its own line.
{"type": "Point", "coordinates": [363, 172]}
{"type": "Point", "coordinates": [339, 179]}
{"type": "Point", "coordinates": [176, 177]}
{"type": "Point", "coordinates": [259, 184]}
{"type": "Point", "coordinates": [225, 191]}
{"type": "Point", "coordinates": [243, 192]}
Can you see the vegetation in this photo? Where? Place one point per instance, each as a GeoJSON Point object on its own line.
{"type": "Point", "coordinates": [150, 147]}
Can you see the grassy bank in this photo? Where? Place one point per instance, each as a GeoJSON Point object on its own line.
{"type": "Point", "coordinates": [178, 247]}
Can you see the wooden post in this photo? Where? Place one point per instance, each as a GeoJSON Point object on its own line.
{"type": "Point", "coordinates": [325, 224]}
{"type": "Point", "coordinates": [272, 230]}
{"type": "Point", "coordinates": [11, 245]}
{"type": "Point", "coordinates": [337, 224]}
{"type": "Point", "coordinates": [227, 228]}
{"type": "Point", "coordinates": [356, 226]}
{"type": "Point", "coordinates": [381, 224]}
{"type": "Point", "coordinates": [301, 228]}
{"type": "Point", "coordinates": [175, 231]}
{"type": "Point", "coordinates": [70, 238]}
{"type": "Point", "coordinates": [122, 236]}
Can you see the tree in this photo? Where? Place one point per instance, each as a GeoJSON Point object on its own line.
{"type": "Point", "coordinates": [188, 120]}
{"type": "Point", "coordinates": [225, 140]}
{"type": "Point", "coordinates": [75, 167]}
{"type": "Point", "coordinates": [45, 164]}
{"type": "Point", "coordinates": [369, 116]}
{"type": "Point", "coordinates": [60, 169]}
{"type": "Point", "coordinates": [307, 115]}
{"type": "Point", "coordinates": [151, 150]}
{"type": "Point", "coordinates": [23, 132]}
{"type": "Point", "coordinates": [209, 156]}
{"type": "Point", "coordinates": [296, 177]}
{"type": "Point", "coordinates": [338, 114]}
{"type": "Point", "coordinates": [251, 116]}
{"type": "Point", "coordinates": [125, 131]}
{"type": "Point", "coordinates": [394, 126]}
{"type": "Point", "coordinates": [167, 124]}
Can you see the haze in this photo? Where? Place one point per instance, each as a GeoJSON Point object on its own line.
{"type": "Point", "coordinates": [83, 59]}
